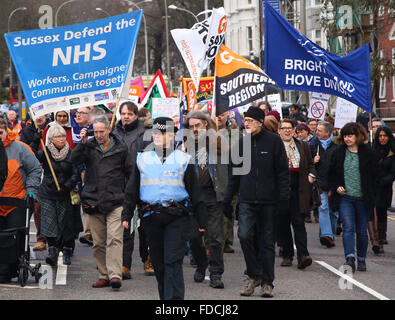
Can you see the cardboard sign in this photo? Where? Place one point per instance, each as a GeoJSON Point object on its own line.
{"type": "Point", "coordinates": [346, 112]}
{"type": "Point", "coordinates": [165, 107]}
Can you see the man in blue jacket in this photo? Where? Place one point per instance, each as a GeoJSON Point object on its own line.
{"type": "Point", "coordinates": [262, 191]}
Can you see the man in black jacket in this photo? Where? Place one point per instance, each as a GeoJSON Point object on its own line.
{"type": "Point", "coordinates": [262, 191]}
{"type": "Point", "coordinates": [322, 148]}
{"type": "Point", "coordinates": [108, 166]}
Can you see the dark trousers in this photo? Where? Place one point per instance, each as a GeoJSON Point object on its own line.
{"type": "Point", "coordinates": [15, 219]}
{"type": "Point", "coordinates": [215, 233]}
{"type": "Point", "coordinates": [382, 223]}
{"type": "Point", "coordinates": [294, 217]}
{"type": "Point", "coordinates": [128, 247]}
{"type": "Point", "coordinates": [167, 236]}
{"type": "Point", "coordinates": [257, 222]}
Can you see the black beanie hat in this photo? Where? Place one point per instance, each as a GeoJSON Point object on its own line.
{"type": "Point", "coordinates": [255, 113]}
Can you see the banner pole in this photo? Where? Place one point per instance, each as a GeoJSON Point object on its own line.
{"type": "Point", "coordinates": [371, 128]}
{"type": "Point", "coordinates": [47, 157]}
{"type": "Point", "coordinates": [114, 115]}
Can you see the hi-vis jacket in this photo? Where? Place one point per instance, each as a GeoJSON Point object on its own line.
{"type": "Point", "coordinates": [24, 171]}
{"type": "Point", "coordinates": [160, 183]}
{"type": "Point", "coordinates": [156, 182]}
{"type": "Point", "coordinates": [17, 128]}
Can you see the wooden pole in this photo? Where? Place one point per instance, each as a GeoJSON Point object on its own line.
{"type": "Point", "coordinates": [48, 160]}
{"type": "Point", "coordinates": [114, 115]}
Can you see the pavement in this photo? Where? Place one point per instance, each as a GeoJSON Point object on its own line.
{"type": "Point", "coordinates": [320, 281]}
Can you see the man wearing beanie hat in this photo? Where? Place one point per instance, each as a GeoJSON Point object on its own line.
{"type": "Point", "coordinates": [262, 190]}
{"type": "Point", "coordinates": [164, 186]}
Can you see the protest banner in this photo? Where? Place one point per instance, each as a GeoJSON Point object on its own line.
{"type": "Point", "coordinates": [205, 92]}
{"type": "Point", "coordinates": [275, 102]}
{"type": "Point", "coordinates": [238, 81]}
{"type": "Point", "coordinates": [296, 63]}
{"type": "Point", "coordinates": [156, 89]}
{"type": "Point", "coordinates": [136, 90]}
{"type": "Point", "coordinates": [318, 105]}
{"type": "Point", "coordinates": [165, 107]}
{"type": "Point", "coordinates": [346, 112]}
{"type": "Point", "coordinates": [201, 44]}
{"type": "Point", "coordinates": [75, 66]}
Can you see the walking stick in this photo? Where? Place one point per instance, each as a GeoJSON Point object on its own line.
{"type": "Point", "coordinates": [47, 157]}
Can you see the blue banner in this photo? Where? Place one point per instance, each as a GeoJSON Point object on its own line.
{"type": "Point", "coordinates": [274, 3]}
{"type": "Point", "coordinates": [296, 63]}
{"type": "Point", "coordinates": [77, 65]}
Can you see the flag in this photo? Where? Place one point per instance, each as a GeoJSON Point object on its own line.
{"type": "Point", "coordinates": [200, 44]}
{"type": "Point", "coordinates": [156, 89]}
{"type": "Point", "coordinates": [296, 63]}
{"type": "Point", "coordinates": [77, 65]}
{"type": "Point", "coordinates": [238, 81]}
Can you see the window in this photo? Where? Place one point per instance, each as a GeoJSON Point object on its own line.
{"type": "Point", "coordinates": [249, 2]}
{"type": "Point", "coordinates": [382, 91]}
{"type": "Point", "coordinates": [393, 77]}
{"type": "Point", "coordinates": [392, 32]}
{"type": "Point", "coordinates": [249, 39]}
{"type": "Point", "coordinates": [381, 10]}
{"type": "Point", "coordinates": [318, 34]}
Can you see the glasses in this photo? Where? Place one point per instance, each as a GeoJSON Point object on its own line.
{"type": "Point", "coordinates": [286, 128]}
{"type": "Point", "coordinates": [61, 116]}
{"type": "Point", "coordinates": [80, 112]}
{"type": "Point", "coordinates": [249, 120]}
{"type": "Point", "coordinates": [58, 137]}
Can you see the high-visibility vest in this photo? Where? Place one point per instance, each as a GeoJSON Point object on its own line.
{"type": "Point", "coordinates": [16, 129]}
{"type": "Point", "coordinates": [160, 183]}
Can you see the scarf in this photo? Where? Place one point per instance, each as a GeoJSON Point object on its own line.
{"type": "Point", "coordinates": [325, 143]}
{"type": "Point", "coordinates": [11, 136]}
{"type": "Point", "coordinates": [293, 161]}
{"type": "Point", "coordinates": [58, 155]}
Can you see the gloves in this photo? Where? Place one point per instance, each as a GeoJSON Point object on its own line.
{"type": "Point", "coordinates": [227, 210]}
{"type": "Point", "coordinates": [31, 195]}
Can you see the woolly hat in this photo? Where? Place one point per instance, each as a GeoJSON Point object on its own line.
{"type": "Point", "coordinates": [302, 126]}
{"type": "Point", "coordinates": [256, 114]}
{"type": "Point", "coordinates": [275, 114]}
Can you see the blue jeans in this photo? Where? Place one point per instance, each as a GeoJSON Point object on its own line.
{"type": "Point", "coordinates": [328, 219]}
{"type": "Point", "coordinates": [355, 219]}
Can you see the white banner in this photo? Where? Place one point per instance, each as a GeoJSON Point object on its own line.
{"type": "Point", "coordinates": [318, 105]}
{"type": "Point", "coordinates": [275, 102]}
{"type": "Point", "coordinates": [346, 112]}
{"type": "Point", "coordinates": [200, 44]}
{"type": "Point", "coordinates": [165, 107]}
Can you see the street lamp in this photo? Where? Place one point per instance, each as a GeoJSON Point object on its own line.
{"type": "Point", "coordinates": [57, 11]}
{"type": "Point", "coordinates": [11, 80]}
{"type": "Point", "coordinates": [172, 6]}
{"type": "Point", "coordinates": [145, 36]}
{"type": "Point", "coordinates": [102, 10]}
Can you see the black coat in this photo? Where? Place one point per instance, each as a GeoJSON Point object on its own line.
{"type": "Point", "coordinates": [367, 169]}
{"type": "Point", "coordinates": [385, 178]}
{"type": "Point", "coordinates": [106, 174]}
{"type": "Point", "coordinates": [322, 167]}
{"type": "Point", "coordinates": [30, 136]}
{"type": "Point", "coordinates": [267, 181]}
{"type": "Point", "coordinates": [66, 173]}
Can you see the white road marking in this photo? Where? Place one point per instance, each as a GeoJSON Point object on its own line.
{"type": "Point", "coordinates": [353, 281]}
{"type": "Point", "coordinates": [61, 273]}
{"type": "Point", "coordinates": [17, 286]}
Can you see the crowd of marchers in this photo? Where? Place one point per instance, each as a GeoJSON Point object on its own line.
{"type": "Point", "coordinates": [168, 180]}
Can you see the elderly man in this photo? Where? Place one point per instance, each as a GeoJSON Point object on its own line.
{"type": "Point", "coordinates": [80, 121]}
{"type": "Point", "coordinates": [14, 125]}
{"type": "Point", "coordinates": [262, 190]}
{"type": "Point", "coordinates": [322, 148]}
{"type": "Point", "coordinates": [108, 166]}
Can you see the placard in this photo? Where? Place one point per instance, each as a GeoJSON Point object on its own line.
{"type": "Point", "coordinates": [165, 107]}
{"type": "Point", "coordinates": [318, 105]}
{"type": "Point", "coordinates": [345, 112]}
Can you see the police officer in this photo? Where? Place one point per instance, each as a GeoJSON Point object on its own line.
{"type": "Point", "coordinates": [165, 186]}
